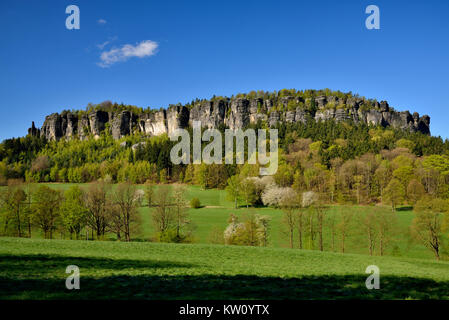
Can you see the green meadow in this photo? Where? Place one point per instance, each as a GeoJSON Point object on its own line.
{"type": "Point", "coordinates": [35, 269]}
{"type": "Point", "coordinates": [212, 218]}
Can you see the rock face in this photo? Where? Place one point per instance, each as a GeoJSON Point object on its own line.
{"type": "Point", "coordinates": [121, 125]}
{"type": "Point", "coordinates": [235, 113]}
{"type": "Point", "coordinates": [33, 131]}
{"type": "Point", "coordinates": [97, 122]}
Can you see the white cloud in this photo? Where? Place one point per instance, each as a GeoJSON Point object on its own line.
{"type": "Point", "coordinates": [143, 49]}
{"type": "Point", "coordinates": [102, 21]}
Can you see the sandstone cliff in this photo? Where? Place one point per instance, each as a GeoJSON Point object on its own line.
{"type": "Point", "coordinates": [234, 113]}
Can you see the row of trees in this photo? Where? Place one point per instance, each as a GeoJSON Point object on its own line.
{"type": "Point", "coordinates": [308, 220]}
{"type": "Point", "coordinates": [98, 209]}
{"type": "Point", "coordinates": [308, 223]}
{"type": "Point", "coordinates": [94, 211]}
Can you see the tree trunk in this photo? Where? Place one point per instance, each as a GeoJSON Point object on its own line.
{"type": "Point", "coordinates": [300, 231]}
{"type": "Point", "coordinates": [29, 228]}
{"type": "Point", "coordinates": [291, 238]}
{"type": "Point", "coordinates": [19, 231]}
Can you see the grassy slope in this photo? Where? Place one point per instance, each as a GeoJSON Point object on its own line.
{"type": "Point", "coordinates": [35, 268]}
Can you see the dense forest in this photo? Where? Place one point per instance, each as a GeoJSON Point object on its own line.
{"type": "Point", "coordinates": [350, 161]}
{"type": "Point", "coordinates": [138, 158]}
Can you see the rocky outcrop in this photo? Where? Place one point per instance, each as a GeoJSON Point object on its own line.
{"type": "Point", "coordinates": [97, 122]}
{"type": "Point", "coordinates": [234, 113]}
{"type": "Point", "coordinates": [52, 127]}
{"type": "Point", "coordinates": [71, 127]}
{"type": "Point", "coordinates": [33, 131]}
{"type": "Point", "coordinates": [121, 125]}
{"type": "Point", "coordinates": [210, 113]}
{"type": "Point", "coordinates": [177, 117]}
{"type": "Point", "coordinates": [153, 123]}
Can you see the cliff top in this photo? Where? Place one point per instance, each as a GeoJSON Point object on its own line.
{"type": "Point", "coordinates": [235, 112]}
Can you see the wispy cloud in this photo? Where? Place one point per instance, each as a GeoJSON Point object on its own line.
{"type": "Point", "coordinates": [101, 46]}
{"type": "Point", "coordinates": [102, 21]}
{"type": "Point", "coordinates": [143, 49]}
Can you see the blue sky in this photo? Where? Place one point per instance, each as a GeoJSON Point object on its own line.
{"type": "Point", "coordinates": [218, 47]}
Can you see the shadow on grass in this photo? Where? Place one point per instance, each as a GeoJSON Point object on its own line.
{"type": "Point", "coordinates": [223, 287]}
{"type": "Point", "coordinates": [42, 264]}
{"type": "Point", "coordinates": [43, 277]}
{"type": "Point", "coordinates": [407, 208]}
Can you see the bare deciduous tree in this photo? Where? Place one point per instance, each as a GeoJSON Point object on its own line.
{"type": "Point", "coordinates": [289, 205]}
{"type": "Point", "coordinates": [128, 199]}
{"type": "Point", "coordinates": [96, 201]}
{"type": "Point", "coordinates": [387, 226]}
{"type": "Point", "coordinates": [163, 215]}
{"type": "Point", "coordinates": [368, 226]}
{"type": "Point", "coordinates": [344, 226]}
{"type": "Point", "coordinates": [180, 211]}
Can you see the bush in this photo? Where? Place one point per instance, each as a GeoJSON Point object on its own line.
{"type": "Point", "coordinates": [274, 195]}
{"type": "Point", "coordinates": [195, 203]}
{"type": "Point", "coordinates": [170, 236]}
{"type": "Point", "coordinates": [167, 236]}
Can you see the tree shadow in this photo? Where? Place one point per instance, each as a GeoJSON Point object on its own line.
{"type": "Point", "coordinates": [223, 287]}
{"type": "Point", "coordinates": [405, 208]}
{"type": "Point", "coordinates": [44, 263]}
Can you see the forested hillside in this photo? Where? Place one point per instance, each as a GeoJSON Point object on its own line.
{"type": "Point", "coordinates": [349, 159]}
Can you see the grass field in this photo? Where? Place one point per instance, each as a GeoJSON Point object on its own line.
{"type": "Point", "coordinates": [35, 269]}
{"type": "Point", "coordinates": [216, 210]}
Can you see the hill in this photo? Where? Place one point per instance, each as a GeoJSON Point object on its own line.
{"type": "Point", "coordinates": [35, 269]}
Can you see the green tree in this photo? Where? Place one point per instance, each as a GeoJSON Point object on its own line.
{"type": "Point", "coordinates": [248, 192]}
{"type": "Point", "coordinates": [427, 224]}
{"type": "Point", "coordinates": [394, 193]}
{"type": "Point", "coordinates": [233, 189]}
{"type": "Point", "coordinates": [46, 204]}
{"type": "Point", "coordinates": [149, 193]}
{"type": "Point", "coordinates": [181, 221]}
{"type": "Point", "coordinates": [415, 191]}
{"type": "Point", "coordinates": [284, 175]}
{"type": "Point", "coordinates": [73, 211]}
{"type": "Point", "coordinates": [404, 175]}
{"type": "Point", "coordinates": [13, 206]}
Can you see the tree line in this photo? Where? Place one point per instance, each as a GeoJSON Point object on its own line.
{"type": "Point", "coordinates": [94, 211]}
